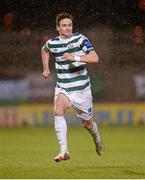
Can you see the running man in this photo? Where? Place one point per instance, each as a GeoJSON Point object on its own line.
{"type": "Point", "coordinates": [71, 52]}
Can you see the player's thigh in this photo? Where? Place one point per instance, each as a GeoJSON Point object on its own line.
{"type": "Point", "coordinates": [61, 102]}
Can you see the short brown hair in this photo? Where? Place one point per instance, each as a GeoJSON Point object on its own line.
{"type": "Point", "coordinates": [63, 16]}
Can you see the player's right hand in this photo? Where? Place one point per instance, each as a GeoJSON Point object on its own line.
{"type": "Point", "coordinates": [45, 74]}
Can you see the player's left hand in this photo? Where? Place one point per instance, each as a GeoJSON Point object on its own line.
{"type": "Point", "coordinates": [68, 56]}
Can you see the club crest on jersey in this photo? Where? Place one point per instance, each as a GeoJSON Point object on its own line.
{"type": "Point", "coordinates": [70, 45]}
{"type": "Point", "coordinates": [90, 110]}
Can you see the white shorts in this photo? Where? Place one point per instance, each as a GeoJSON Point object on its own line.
{"type": "Point", "coordinates": [81, 101]}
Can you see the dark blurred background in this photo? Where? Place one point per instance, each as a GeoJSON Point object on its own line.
{"type": "Point", "coordinates": [39, 15]}
{"type": "Point", "coordinates": [116, 29]}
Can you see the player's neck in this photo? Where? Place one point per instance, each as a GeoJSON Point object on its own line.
{"type": "Point", "coordinates": [63, 37]}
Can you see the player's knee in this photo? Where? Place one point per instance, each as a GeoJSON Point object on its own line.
{"type": "Point", "coordinates": [87, 124]}
{"type": "Point", "coordinates": [59, 112]}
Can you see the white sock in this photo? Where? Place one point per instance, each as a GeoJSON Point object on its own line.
{"type": "Point", "coordinates": [95, 133]}
{"type": "Point", "coordinates": [61, 132]}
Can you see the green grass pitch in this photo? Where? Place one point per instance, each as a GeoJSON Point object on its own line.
{"type": "Point", "coordinates": [28, 153]}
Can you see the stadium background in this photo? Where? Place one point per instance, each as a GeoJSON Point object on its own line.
{"type": "Point", "coordinates": [116, 29]}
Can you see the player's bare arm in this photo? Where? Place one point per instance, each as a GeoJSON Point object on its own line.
{"type": "Point", "coordinates": [45, 62]}
{"type": "Point", "coordinates": [91, 57]}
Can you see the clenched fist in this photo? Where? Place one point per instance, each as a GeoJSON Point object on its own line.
{"type": "Point", "coordinates": [68, 56]}
{"type": "Point", "coordinates": [45, 74]}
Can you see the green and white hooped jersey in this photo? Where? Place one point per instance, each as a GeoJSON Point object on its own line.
{"type": "Point", "coordinates": [72, 76]}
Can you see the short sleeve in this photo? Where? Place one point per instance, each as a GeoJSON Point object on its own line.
{"type": "Point", "coordinates": [85, 44]}
{"type": "Point", "coordinates": [46, 46]}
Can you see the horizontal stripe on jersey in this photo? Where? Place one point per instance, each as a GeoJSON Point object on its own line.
{"type": "Point", "coordinates": [71, 75]}
{"type": "Point", "coordinates": [77, 88]}
{"type": "Point", "coordinates": [74, 79]}
{"type": "Point", "coordinates": [72, 50]}
{"type": "Point", "coordinates": [72, 70]}
{"type": "Point", "coordinates": [66, 62]}
{"type": "Point", "coordinates": [62, 45]}
{"type": "Point", "coordinates": [73, 84]}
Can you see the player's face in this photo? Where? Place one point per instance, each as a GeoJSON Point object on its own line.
{"type": "Point", "coordinates": [65, 28]}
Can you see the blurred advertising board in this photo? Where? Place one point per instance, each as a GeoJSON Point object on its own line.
{"type": "Point", "coordinates": [41, 115]}
{"type": "Point", "coordinates": [40, 88]}
{"type": "Point", "coordinates": [139, 80]}
{"type": "Point", "coordinates": [30, 88]}
{"type": "Point", "coordinates": [13, 89]}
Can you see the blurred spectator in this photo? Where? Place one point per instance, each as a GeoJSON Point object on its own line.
{"type": "Point", "coordinates": [28, 36]}
{"type": "Point", "coordinates": [141, 4]}
{"type": "Point", "coordinates": [45, 38]}
{"type": "Point", "coordinates": [142, 120]}
{"type": "Point", "coordinates": [25, 32]}
{"type": "Point", "coordinates": [138, 34]}
{"type": "Point", "coordinates": [8, 21]}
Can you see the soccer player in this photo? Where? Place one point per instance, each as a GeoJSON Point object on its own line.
{"type": "Point", "coordinates": [71, 52]}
